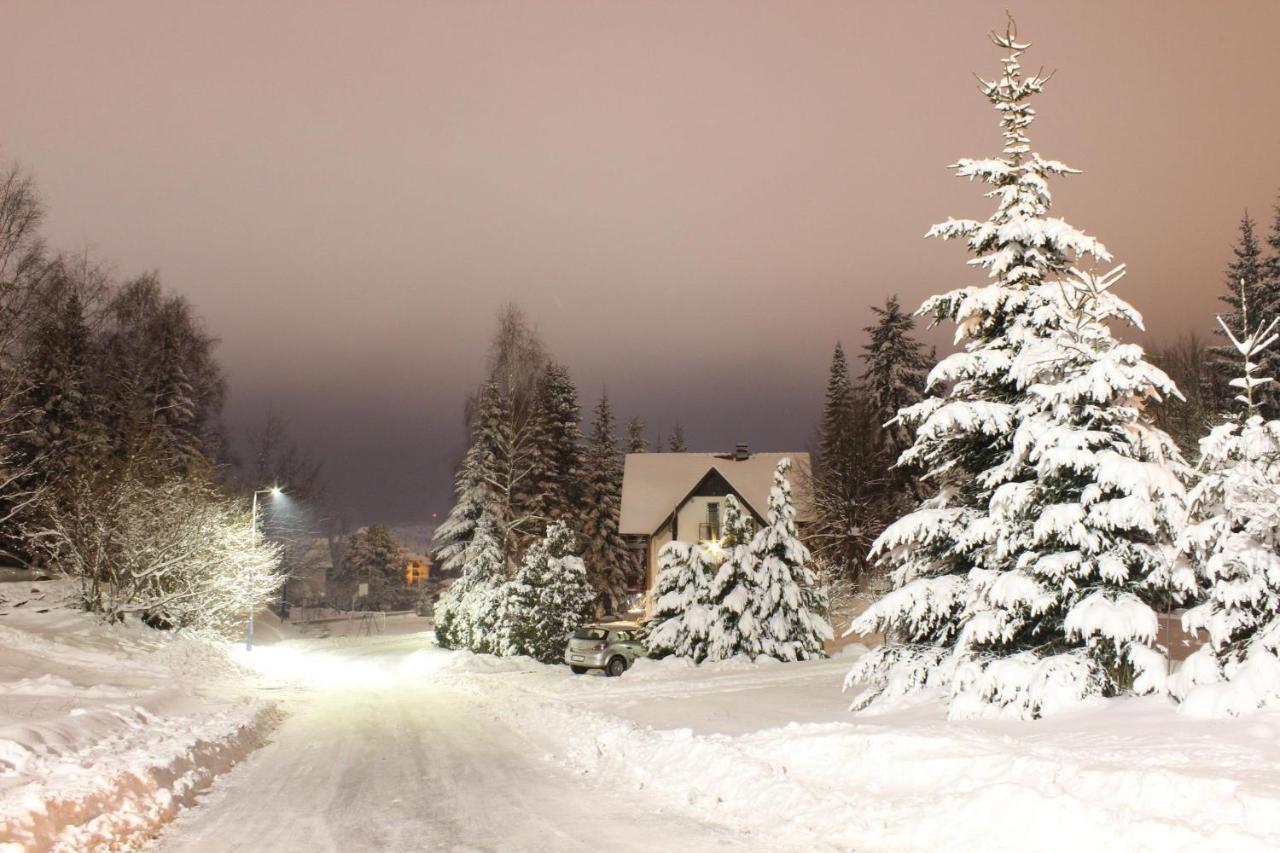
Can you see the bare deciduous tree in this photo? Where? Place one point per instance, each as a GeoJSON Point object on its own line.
{"type": "Point", "coordinates": [172, 549]}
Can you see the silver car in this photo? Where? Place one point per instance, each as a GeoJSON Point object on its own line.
{"type": "Point", "coordinates": [612, 648]}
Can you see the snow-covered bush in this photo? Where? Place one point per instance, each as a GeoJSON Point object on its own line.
{"type": "Point", "coordinates": [787, 622]}
{"type": "Point", "coordinates": [1026, 583]}
{"type": "Point", "coordinates": [547, 600]}
{"type": "Point", "coordinates": [174, 550]}
{"type": "Point", "coordinates": [1235, 543]}
{"type": "Point", "coordinates": [682, 611]}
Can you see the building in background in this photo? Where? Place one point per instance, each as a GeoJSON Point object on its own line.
{"type": "Point", "coordinates": [670, 496]}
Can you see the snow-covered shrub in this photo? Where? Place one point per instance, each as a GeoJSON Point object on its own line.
{"type": "Point", "coordinates": [1235, 543]}
{"type": "Point", "coordinates": [787, 622]}
{"type": "Point", "coordinates": [1026, 583]}
{"type": "Point", "coordinates": [174, 550]}
{"type": "Point", "coordinates": [547, 600]}
{"type": "Point", "coordinates": [682, 611]}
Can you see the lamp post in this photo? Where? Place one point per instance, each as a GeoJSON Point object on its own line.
{"type": "Point", "coordinates": [274, 491]}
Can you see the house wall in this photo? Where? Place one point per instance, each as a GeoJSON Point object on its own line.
{"type": "Point", "coordinates": [662, 537]}
{"type": "Point", "coordinates": [693, 514]}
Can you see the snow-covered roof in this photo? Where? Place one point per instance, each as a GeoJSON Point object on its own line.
{"type": "Point", "coordinates": [654, 483]}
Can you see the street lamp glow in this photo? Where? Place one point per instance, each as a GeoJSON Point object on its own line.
{"type": "Point", "coordinates": [275, 492]}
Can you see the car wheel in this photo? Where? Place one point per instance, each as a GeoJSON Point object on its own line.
{"type": "Point", "coordinates": [578, 670]}
{"type": "Point", "coordinates": [617, 666]}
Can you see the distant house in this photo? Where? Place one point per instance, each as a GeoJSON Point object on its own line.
{"type": "Point", "coordinates": [667, 496]}
{"type": "Point", "coordinates": [309, 562]}
{"type": "Point", "coordinates": [417, 568]}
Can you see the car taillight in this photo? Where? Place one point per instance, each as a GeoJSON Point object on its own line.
{"type": "Point", "coordinates": [598, 647]}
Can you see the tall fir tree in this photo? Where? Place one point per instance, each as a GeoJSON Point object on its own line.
{"type": "Point", "coordinates": [1026, 583]}
{"type": "Point", "coordinates": [373, 557]}
{"type": "Point", "coordinates": [611, 565]}
{"type": "Point", "coordinates": [162, 389]}
{"type": "Point", "coordinates": [676, 444]}
{"type": "Point", "coordinates": [557, 495]}
{"type": "Point", "coordinates": [60, 440]}
{"type": "Point", "coordinates": [847, 477]}
{"type": "Point", "coordinates": [462, 611]}
{"type": "Point", "coordinates": [509, 455]}
{"type": "Point", "coordinates": [473, 485]}
{"type": "Point", "coordinates": [734, 589]}
{"type": "Point", "coordinates": [1247, 279]}
{"type": "Point", "coordinates": [894, 370]}
{"type": "Point", "coordinates": [788, 620]}
{"type": "Point", "coordinates": [1234, 542]}
{"type": "Point", "coordinates": [636, 442]}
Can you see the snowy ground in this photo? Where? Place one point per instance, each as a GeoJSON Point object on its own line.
{"type": "Point", "coordinates": [390, 743]}
{"type": "Point", "coordinates": [106, 732]}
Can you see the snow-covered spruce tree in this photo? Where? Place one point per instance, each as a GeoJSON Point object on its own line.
{"type": "Point", "coordinates": [374, 557]}
{"type": "Point", "coordinates": [462, 613]}
{"type": "Point", "coordinates": [636, 442]}
{"type": "Point", "coordinates": [559, 486]}
{"type": "Point", "coordinates": [1235, 544]}
{"type": "Point", "coordinates": [500, 472]}
{"type": "Point", "coordinates": [734, 589]}
{"type": "Point", "coordinates": [846, 478]}
{"type": "Point", "coordinates": [676, 444]}
{"type": "Point", "coordinates": [1271, 274]}
{"type": "Point", "coordinates": [161, 388]}
{"type": "Point", "coordinates": [894, 369]}
{"type": "Point", "coordinates": [610, 563]}
{"type": "Point", "coordinates": [1025, 584]}
{"type": "Point", "coordinates": [59, 437]}
{"type": "Point", "coordinates": [788, 604]}
{"type": "Point", "coordinates": [472, 486]}
{"type": "Point", "coordinates": [682, 609]}
{"type": "Point", "coordinates": [546, 601]}
{"type": "Point", "coordinates": [1248, 281]}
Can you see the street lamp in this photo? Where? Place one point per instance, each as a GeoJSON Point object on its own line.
{"type": "Point", "coordinates": [275, 492]}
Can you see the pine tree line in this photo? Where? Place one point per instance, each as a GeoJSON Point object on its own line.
{"type": "Point", "coordinates": [856, 484]}
{"type": "Point", "coordinates": [111, 438]}
{"type": "Point", "coordinates": [529, 465]}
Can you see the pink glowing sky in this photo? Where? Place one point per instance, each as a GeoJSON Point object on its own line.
{"type": "Point", "coordinates": [693, 200]}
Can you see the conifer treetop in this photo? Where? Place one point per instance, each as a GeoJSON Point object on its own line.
{"type": "Point", "coordinates": [1249, 345]}
{"type": "Point", "coordinates": [1019, 243]}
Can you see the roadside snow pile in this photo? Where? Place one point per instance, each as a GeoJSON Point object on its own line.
{"type": "Point", "coordinates": [103, 736]}
{"type": "Point", "coordinates": [773, 751]}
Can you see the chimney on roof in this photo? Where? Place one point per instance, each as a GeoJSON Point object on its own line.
{"type": "Point", "coordinates": [740, 452]}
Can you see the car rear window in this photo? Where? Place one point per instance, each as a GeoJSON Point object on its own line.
{"type": "Point", "coordinates": [590, 634]}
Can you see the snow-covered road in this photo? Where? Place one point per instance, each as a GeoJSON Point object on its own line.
{"type": "Point", "coordinates": [382, 752]}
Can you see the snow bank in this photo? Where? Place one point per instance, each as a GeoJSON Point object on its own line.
{"type": "Point", "coordinates": [103, 736]}
{"type": "Point", "coordinates": [1131, 775]}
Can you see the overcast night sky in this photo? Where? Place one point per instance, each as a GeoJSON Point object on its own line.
{"type": "Point", "coordinates": [692, 201]}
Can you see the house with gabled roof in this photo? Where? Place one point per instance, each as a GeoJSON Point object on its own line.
{"type": "Point", "coordinates": [669, 496]}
